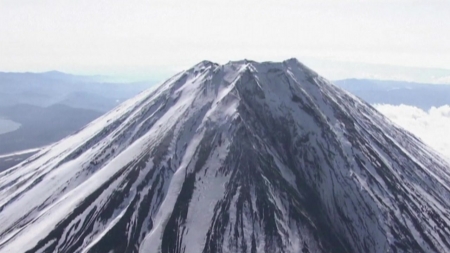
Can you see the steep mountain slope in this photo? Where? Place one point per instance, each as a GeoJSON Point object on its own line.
{"type": "Point", "coordinates": [243, 157]}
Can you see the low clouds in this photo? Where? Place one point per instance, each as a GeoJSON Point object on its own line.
{"type": "Point", "coordinates": [443, 80]}
{"type": "Point", "coordinates": [432, 126]}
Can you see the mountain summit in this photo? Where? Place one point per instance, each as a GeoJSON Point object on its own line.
{"type": "Point", "coordinates": [241, 157]}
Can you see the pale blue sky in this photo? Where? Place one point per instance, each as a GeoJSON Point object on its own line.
{"type": "Point", "coordinates": [144, 38]}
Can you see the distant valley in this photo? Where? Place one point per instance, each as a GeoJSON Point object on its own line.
{"type": "Point", "coordinates": [37, 109]}
{"type": "Point", "coordinates": [42, 125]}
{"type": "Point", "coordinates": [7, 126]}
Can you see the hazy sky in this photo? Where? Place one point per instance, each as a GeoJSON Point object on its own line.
{"type": "Point", "coordinates": [137, 37]}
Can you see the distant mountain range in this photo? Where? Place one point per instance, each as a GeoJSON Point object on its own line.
{"type": "Point", "coordinates": [49, 88]}
{"type": "Point", "coordinates": [420, 95]}
{"type": "Point", "coordinates": [49, 106]}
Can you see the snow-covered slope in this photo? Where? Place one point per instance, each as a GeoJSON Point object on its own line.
{"type": "Point", "coordinates": [241, 157]}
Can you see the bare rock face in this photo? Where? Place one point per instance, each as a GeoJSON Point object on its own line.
{"type": "Point", "coordinates": [242, 157]}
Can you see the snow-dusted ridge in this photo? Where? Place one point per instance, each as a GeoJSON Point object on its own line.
{"type": "Point", "coordinates": [240, 157]}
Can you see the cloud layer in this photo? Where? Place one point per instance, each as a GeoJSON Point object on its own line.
{"type": "Point", "coordinates": [432, 126]}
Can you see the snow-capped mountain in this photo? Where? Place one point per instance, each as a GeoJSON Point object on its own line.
{"type": "Point", "coordinates": [242, 157]}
